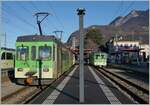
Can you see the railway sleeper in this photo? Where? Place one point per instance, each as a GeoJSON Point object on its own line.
{"type": "Point", "coordinates": [125, 86]}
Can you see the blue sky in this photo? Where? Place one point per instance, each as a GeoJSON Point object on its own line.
{"type": "Point", "coordinates": [18, 16]}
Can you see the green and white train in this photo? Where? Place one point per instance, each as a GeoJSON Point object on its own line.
{"type": "Point", "coordinates": [98, 59]}
{"type": "Point", "coordinates": [41, 56]}
{"type": "Point", "coordinates": [7, 58]}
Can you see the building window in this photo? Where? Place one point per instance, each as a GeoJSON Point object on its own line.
{"type": "Point", "coordinates": [97, 56]}
{"type": "Point", "coordinates": [3, 55]}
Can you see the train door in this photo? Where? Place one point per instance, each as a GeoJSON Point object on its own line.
{"type": "Point", "coordinates": [45, 63]}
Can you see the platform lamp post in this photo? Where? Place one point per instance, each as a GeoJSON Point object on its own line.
{"type": "Point", "coordinates": [81, 13]}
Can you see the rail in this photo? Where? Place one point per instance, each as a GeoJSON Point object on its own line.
{"type": "Point", "coordinates": [138, 93]}
{"type": "Point", "coordinates": [28, 93]}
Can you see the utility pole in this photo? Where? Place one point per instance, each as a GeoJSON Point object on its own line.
{"type": "Point", "coordinates": [81, 13]}
{"type": "Point", "coordinates": [45, 14]}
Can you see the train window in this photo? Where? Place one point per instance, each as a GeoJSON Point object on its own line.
{"type": "Point", "coordinates": [45, 52]}
{"type": "Point", "coordinates": [3, 55]}
{"type": "Point", "coordinates": [97, 56]}
{"type": "Point", "coordinates": [22, 53]}
{"type": "Point", "coordinates": [54, 53]}
{"type": "Point", "coordinates": [33, 52]}
{"type": "Point", "coordinates": [9, 56]}
{"type": "Point", "coordinates": [102, 56]}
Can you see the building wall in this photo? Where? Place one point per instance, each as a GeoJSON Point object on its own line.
{"type": "Point", "coordinates": [126, 43]}
{"type": "Point", "coordinates": [146, 49]}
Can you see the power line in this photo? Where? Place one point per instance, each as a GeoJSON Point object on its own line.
{"type": "Point", "coordinates": [119, 9]}
{"type": "Point", "coordinates": [129, 6]}
{"type": "Point", "coordinates": [57, 18]}
{"type": "Point", "coordinates": [7, 21]}
{"type": "Point", "coordinates": [19, 18]}
{"type": "Point", "coordinates": [28, 11]}
{"type": "Point", "coordinates": [34, 5]}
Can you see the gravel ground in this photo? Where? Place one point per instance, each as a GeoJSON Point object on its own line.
{"type": "Point", "coordinates": [8, 87]}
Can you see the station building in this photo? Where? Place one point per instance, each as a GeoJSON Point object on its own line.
{"type": "Point", "coordinates": [129, 52]}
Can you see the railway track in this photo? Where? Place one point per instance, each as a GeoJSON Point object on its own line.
{"type": "Point", "coordinates": [25, 94]}
{"type": "Point", "coordinates": [19, 96]}
{"type": "Point", "coordinates": [138, 93]}
{"type": "Point", "coordinates": [28, 93]}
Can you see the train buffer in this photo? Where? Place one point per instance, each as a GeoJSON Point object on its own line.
{"type": "Point", "coordinates": [98, 90]}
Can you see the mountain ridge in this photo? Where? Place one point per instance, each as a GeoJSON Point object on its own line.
{"type": "Point", "coordinates": [135, 23]}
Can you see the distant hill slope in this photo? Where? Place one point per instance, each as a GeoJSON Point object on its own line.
{"type": "Point", "coordinates": [135, 25]}
{"type": "Point", "coordinates": [134, 18]}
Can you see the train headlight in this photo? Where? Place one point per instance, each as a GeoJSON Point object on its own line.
{"type": "Point", "coordinates": [20, 69]}
{"type": "Point", "coordinates": [45, 70]}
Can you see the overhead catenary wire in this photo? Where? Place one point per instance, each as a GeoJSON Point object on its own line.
{"type": "Point", "coordinates": [120, 10]}
{"type": "Point", "coordinates": [34, 6]}
{"type": "Point", "coordinates": [128, 7]}
{"type": "Point", "coordinates": [19, 18]}
{"type": "Point", "coordinates": [123, 11]}
{"type": "Point", "coordinates": [8, 22]}
{"type": "Point", "coordinates": [120, 6]}
{"type": "Point", "coordinates": [27, 10]}
{"type": "Point", "coordinates": [57, 18]}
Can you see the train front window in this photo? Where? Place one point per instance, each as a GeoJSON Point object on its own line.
{"type": "Point", "coordinates": [97, 56]}
{"type": "Point", "coordinates": [9, 56]}
{"type": "Point", "coordinates": [22, 53]}
{"type": "Point", "coordinates": [102, 56]}
{"type": "Point", "coordinates": [3, 56]}
{"type": "Point", "coordinates": [45, 52]}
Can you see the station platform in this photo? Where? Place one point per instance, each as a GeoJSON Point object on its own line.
{"type": "Point", "coordinates": [98, 90]}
